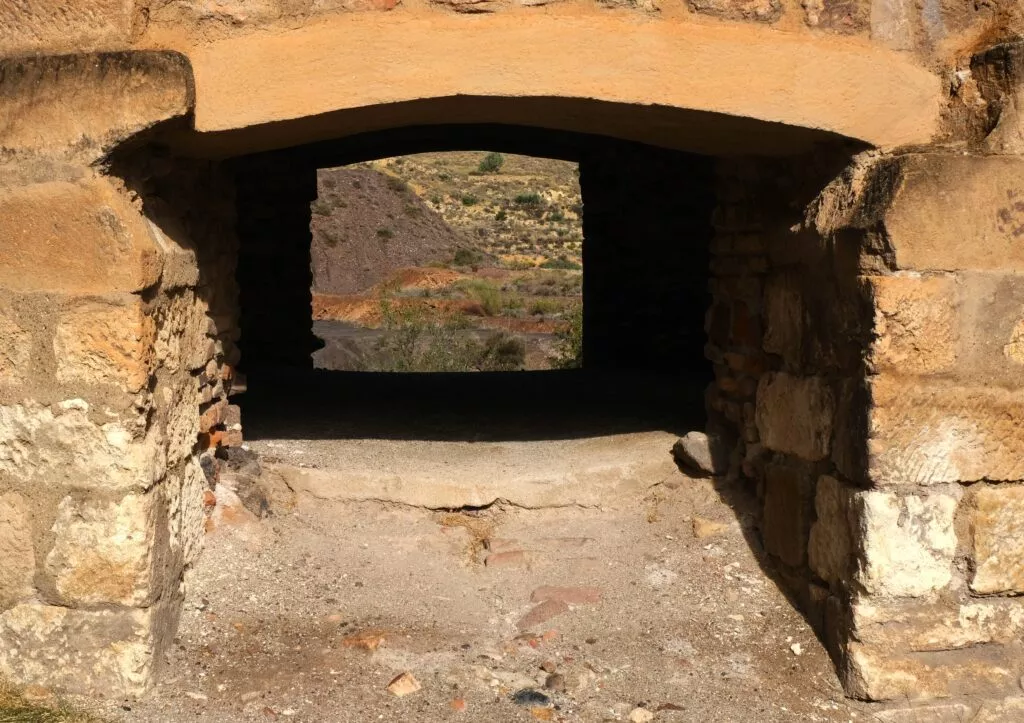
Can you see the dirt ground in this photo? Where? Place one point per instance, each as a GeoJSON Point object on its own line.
{"type": "Point", "coordinates": [309, 613]}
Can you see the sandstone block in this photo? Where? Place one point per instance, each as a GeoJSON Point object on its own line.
{"type": "Point", "coordinates": [829, 547]}
{"type": "Point", "coordinates": [181, 341]}
{"type": "Point", "coordinates": [997, 525]}
{"type": "Point", "coordinates": [1007, 710]}
{"type": "Point", "coordinates": [47, 25]}
{"type": "Point", "coordinates": [76, 238]}
{"type": "Point", "coordinates": [106, 343]}
{"type": "Point", "coordinates": [16, 349]}
{"type": "Point", "coordinates": [788, 499]}
{"type": "Point", "coordinates": [765, 11]}
{"type": "Point", "coordinates": [992, 337]}
{"type": "Point", "coordinates": [80, 104]}
{"type": "Point", "coordinates": [931, 432]}
{"type": "Point", "coordinates": [878, 673]}
{"type": "Point", "coordinates": [951, 212]}
{"type": "Point", "coordinates": [795, 415]}
{"type": "Point", "coordinates": [840, 16]}
{"type": "Point", "coordinates": [906, 543]}
{"type": "Point", "coordinates": [107, 552]}
{"type": "Point", "coordinates": [80, 651]}
{"type": "Point", "coordinates": [61, 446]}
{"type": "Point", "coordinates": [17, 556]}
{"type": "Point", "coordinates": [935, 626]}
{"type": "Point", "coordinates": [916, 324]}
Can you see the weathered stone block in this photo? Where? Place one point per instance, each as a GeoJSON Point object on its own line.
{"type": "Point", "coordinates": [34, 26]}
{"type": "Point", "coordinates": [78, 105]}
{"type": "Point", "coordinates": [916, 324]}
{"type": "Point", "coordinates": [186, 511]}
{"type": "Point", "coordinates": [788, 498]}
{"type": "Point", "coordinates": [107, 552]}
{"type": "Point", "coordinates": [997, 525]}
{"type": "Point", "coordinates": [934, 626]}
{"type": "Point", "coordinates": [17, 556]}
{"type": "Point", "coordinates": [82, 651]}
{"type": "Point", "coordinates": [992, 336]}
{"type": "Point", "coordinates": [61, 446]}
{"type": "Point", "coordinates": [829, 547]}
{"type": "Point", "coordinates": [75, 238]}
{"type": "Point", "coordinates": [906, 543]}
{"type": "Point", "coordinates": [16, 348]}
{"type": "Point", "coordinates": [841, 16]}
{"type": "Point", "coordinates": [182, 325]}
{"type": "Point", "coordinates": [765, 11]}
{"type": "Point", "coordinates": [951, 211]}
{"type": "Point", "coordinates": [106, 343]}
{"type": "Point", "coordinates": [932, 431]}
{"type": "Point", "coordinates": [795, 415]}
{"type": "Point", "coordinates": [878, 673]}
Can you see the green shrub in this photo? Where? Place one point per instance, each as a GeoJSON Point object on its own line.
{"type": "Point", "coordinates": [543, 307]}
{"type": "Point", "coordinates": [466, 257]}
{"type": "Point", "coordinates": [560, 263]}
{"type": "Point", "coordinates": [500, 215]}
{"type": "Point", "coordinates": [483, 292]}
{"type": "Point", "coordinates": [470, 200]}
{"type": "Point", "coordinates": [569, 350]}
{"type": "Point", "coordinates": [491, 163]}
{"type": "Point", "coordinates": [397, 184]}
{"type": "Point", "coordinates": [529, 199]}
{"type": "Point", "coordinates": [385, 234]}
{"type": "Point", "coordinates": [502, 352]}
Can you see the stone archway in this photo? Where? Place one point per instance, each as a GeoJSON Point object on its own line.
{"type": "Point", "coordinates": [867, 354]}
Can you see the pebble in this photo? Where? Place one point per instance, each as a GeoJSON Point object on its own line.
{"type": "Point", "coordinates": [641, 715]}
{"type": "Point", "coordinates": [403, 685]}
{"type": "Point", "coordinates": [530, 698]}
{"type": "Point", "coordinates": [555, 682]}
{"type": "Point", "coordinates": [797, 648]}
{"type": "Point", "coordinates": [549, 666]}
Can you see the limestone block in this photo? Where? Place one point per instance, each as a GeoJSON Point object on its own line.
{"type": "Point", "coordinates": [62, 446]}
{"type": "Point", "coordinates": [17, 556]}
{"type": "Point", "coordinates": [929, 432]}
{"type": "Point", "coordinates": [951, 212]}
{"type": "Point", "coordinates": [15, 349]}
{"type": "Point", "coordinates": [107, 552]}
{"type": "Point", "coordinates": [182, 423]}
{"type": "Point", "coordinates": [934, 626]}
{"type": "Point", "coordinates": [34, 26]}
{"type": "Point", "coordinates": [916, 327]}
{"type": "Point", "coordinates": [795, 415]}
{"type": "Point", "coordinates": [1007, 710]}
{"type": "Point", "coordinates": [75, 238]}
{"type": "Point", "coordinates": [841, 16]}
{"type": "Point", "coordinates": [187, 513]}
{"type": "Point", "coordinates": [876, 672]}
{"type": "Point", "coordinates": [789, 491]}
{"type": "Point", "coordinates": [997, 524]}
{"type": "Point", "coordinates": [829, 548]}
{"type": "Point", "coordinates": [78, 651]}
{"type": "Point", "coordinates": [106, 343]}
{"type": "Point", "coordinates": [906, 543]}
{"type": "Point", "coordinates": [77, 106]}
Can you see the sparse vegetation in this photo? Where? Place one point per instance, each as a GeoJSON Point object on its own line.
{"type": "Point", "coordinates": [569, 353]}
{"type": "Point", "coordinates": [560, 262]}
{"type": "Point", "coordinates": [528, 199]}
{"type": "Point", "coordinates": [470, 200]}
{"type": "Point", "coordinates": [14, 708]}
{"type": "Point", "coordinates": [321, 208]}
{"type": "Point", "coordinates": [397, 184]}
{"type": "Point", "coordinates": [385, 234]}
{"type": "Point", "coordinates": [491, 163]}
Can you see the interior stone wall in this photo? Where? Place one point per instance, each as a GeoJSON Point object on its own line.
{"type": "Point", "coordinates": [868, 387]}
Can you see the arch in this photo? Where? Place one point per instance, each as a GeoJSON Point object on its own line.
{"type": "Point", "coordinates": [697, 87]}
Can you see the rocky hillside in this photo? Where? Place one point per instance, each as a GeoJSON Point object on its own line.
{"type": "Point", "coordinates": [367, 225]}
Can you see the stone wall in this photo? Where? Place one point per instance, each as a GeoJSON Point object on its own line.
{"type": "Point", "coordinates": [108, 351]}
{"type": "Point", "coordinates": [867, 364]}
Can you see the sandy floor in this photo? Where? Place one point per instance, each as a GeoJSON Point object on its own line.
{"type": "Point", "coordinates": [308, 614]}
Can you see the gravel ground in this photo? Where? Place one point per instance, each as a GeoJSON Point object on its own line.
{"type": "Point", "coordinates": [310, 613]}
